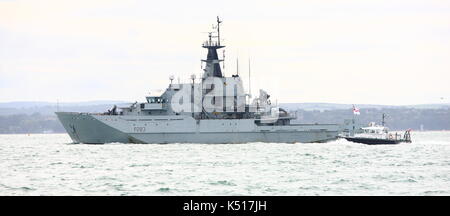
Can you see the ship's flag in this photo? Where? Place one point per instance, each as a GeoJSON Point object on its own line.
{"type": "Point", "coordinates": [355, 110]}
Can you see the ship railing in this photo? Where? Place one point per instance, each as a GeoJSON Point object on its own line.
{"type": "Point", "coordinates": [395, 136]}
{"type": "Point", "coordinates": [211, 44]}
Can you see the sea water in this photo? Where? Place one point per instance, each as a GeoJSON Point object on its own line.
{"type": "Point", "coordinates": [50, 164]}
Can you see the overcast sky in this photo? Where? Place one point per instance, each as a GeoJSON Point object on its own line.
{"type": "Point", "coordinates": [349, 51]}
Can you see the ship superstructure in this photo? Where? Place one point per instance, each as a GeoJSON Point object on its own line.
{"type": "Point", "coordinates": [211, 109]}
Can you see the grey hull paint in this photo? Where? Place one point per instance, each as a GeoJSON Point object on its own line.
{"type": "Point", "coordinates": [236, 137]}
{"type": "Point", "coordinates": [85, 128]}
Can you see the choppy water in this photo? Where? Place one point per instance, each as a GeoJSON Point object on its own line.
{"type": "Point", "coordinates": [47, 164]}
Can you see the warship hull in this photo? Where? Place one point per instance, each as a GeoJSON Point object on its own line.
{"type": "Point", "coordinates": [98, 129]}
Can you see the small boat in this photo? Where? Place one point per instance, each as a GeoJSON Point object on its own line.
{"type": "Point", "coordinates": [377, 135]}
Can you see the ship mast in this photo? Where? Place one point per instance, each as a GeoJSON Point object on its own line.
{"type": "Point", "coordinates": [218, 30]}
{"type": "Point", "coordinates": [212, 68]}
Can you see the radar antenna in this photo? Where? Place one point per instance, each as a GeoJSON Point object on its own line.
{"type": "Point", "coordinates": [218, 30]}
{"type": "Point", "coordinates": [171, 77]}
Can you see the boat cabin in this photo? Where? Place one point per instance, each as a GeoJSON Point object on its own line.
{"type": "Point", "coordinates": [374, 131]}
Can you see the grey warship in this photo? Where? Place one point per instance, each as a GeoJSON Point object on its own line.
{"type": "Point", "coordinates": [212, 109]}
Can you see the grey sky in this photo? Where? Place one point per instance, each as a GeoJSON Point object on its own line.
{"type": "Point", "coordinates": [380, 52]}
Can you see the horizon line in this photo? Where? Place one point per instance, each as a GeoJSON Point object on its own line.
{"type": "Point", "coordinates": [334, 103]}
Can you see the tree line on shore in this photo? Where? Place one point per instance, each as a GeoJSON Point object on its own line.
{"type": "Point", "coordinates": [397, 119]}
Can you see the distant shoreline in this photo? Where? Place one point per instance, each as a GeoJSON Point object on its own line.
{"type": "Point", "coordinates": [3, 134]}
{"type": "Point", "coordinates": [40, 118]}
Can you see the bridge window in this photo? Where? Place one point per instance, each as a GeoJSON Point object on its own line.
{"type": "Point", "coordinates": [155, 100]}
